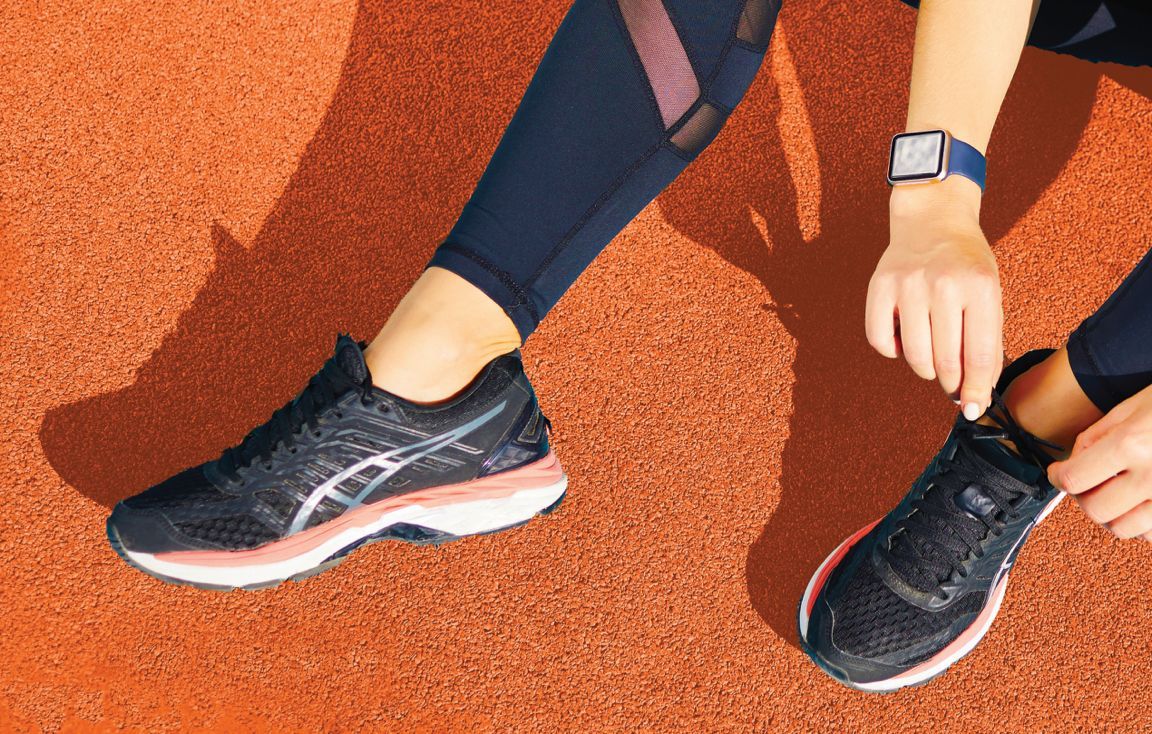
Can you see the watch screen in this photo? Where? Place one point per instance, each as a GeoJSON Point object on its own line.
{"type": "Point", "coordinates": [916, 156]}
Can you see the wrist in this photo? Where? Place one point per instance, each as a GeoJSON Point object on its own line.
{"type": "Point", "coordinates": [954, 197]}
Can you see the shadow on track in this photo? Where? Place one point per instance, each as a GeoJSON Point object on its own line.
{"type": "Point", "coordinates": [862, 426]}
{"type": "Point", "coordinates": [393, 159]}
{"type": "Point", "coordinates": [334, 255]}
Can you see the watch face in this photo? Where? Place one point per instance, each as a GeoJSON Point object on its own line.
{"type": "Point", "coordinates": [916, 156]}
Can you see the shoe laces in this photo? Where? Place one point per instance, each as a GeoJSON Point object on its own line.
{"type": "Point", "coordinates": [937, 537]}
{"type": "Point", "coordinates": [289, 422]}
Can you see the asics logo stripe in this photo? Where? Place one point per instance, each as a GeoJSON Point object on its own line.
{"type": "Point", "coordinates": [1010, 559]}
{"type": "Point", "coordinates": [390, 462]}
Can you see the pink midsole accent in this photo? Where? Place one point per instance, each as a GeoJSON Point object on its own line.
{"type": "Point", "coordinates": [824, 571]}
{"type": "Point", "coordinates": [541, 473]}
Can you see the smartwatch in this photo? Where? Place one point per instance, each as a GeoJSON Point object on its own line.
{"type": "Point", "coordinates": [933, 155]}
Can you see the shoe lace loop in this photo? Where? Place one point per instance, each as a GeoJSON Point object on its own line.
{"type": "Point", "coordinates": [935, 539]}
{"type": "Point", "coordinates": [287, 423]}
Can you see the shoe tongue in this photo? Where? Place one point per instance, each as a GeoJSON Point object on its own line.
{"type": "Point", "coordinates": [1007, 460]}
{"type": "Point", "coordinates": [973, 501]}
{"type": "Point", "coordinates": [350, 358]}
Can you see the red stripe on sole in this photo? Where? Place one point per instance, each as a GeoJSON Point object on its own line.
{"type": "Point", "coordinates": [830, 563]}
{"type": "Point", "coordinates": [541, 473]}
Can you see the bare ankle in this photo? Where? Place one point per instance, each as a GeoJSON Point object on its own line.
{"type": "Point", "coordinates": [1047, 401]}
{"type": "Point", "coordinates": [439, 337]}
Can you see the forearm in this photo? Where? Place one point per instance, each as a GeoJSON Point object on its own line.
{"type": "Point", "coordinates": [935, 295]}
{"type": "Point", "coordinates": [966, 54]}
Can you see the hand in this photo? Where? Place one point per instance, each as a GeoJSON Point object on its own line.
{"type": "Point", "coordinates": [935, 296]}
{"type": "Point", "coordinates": [1110, 469]}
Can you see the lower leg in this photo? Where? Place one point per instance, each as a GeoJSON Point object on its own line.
{"type": "Point", "coordinates": [627, 94]}
{"type": "Point", "coordinates": [1107, 359]}
{"type": "Point", "coordinates": [1047, 401]}
{"type": "Point", "coordinates": [439, 337]}
{"type": "Point", "coordinates": [617, 108]}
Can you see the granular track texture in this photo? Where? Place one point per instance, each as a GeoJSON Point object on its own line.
{"type": "Point", "coordinates": [195, 198]}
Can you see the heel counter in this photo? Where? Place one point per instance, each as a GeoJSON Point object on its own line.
{"type": "Point", "coordinates": [526, 441]}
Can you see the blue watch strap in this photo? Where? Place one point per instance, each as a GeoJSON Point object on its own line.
{"type": "Point", "coordinates": [966, 161]}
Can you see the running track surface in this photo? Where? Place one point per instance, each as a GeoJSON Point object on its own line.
{"type": "Point", "coordinates": [195, 199]}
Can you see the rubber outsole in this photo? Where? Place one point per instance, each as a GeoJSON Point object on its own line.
{"type": "Point", "coordinates": [403, 532]}
{"type": "Point", "coordinates": [841, 676]}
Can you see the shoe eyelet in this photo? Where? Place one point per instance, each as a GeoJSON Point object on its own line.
{"type": "Point", "coordinates": [383, 408]}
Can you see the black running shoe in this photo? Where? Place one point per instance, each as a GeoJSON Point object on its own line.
{"type": "Point", "coordinates": [906, 597]}
{"type": "Point", "coordinates": [342, 465]}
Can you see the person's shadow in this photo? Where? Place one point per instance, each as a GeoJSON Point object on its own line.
{"type": "Point", "coordinates": [862, 426]}
{"type": "Point", "coordinates": [391, 163]}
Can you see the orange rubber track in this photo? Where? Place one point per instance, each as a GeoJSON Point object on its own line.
{"type": "Point", "coordinates": [196, 197]}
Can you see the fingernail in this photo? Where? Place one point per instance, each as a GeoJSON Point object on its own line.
{"type": "Point", "coordinates": [972, 411]}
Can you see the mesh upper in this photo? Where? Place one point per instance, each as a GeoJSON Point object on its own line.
{"type": "Point", "coordinates": [231, 531]}
{"type": "Point", "coordinates": [326, 510]}
{"type": "Point", "coordinates": [872, 620]}
{"type": "Point", "coordinates": [277, 501]}
{"type": "Point", "coordinates": [188, 489]}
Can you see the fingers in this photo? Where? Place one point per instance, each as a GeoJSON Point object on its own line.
{"type": "Point", "coordinates": [880, 318]}
{"type": "Point", "coordinates": [1135, 522]}
{"type": "Point", "coordinates": [983, 352]}
{"type": "Point", "coordinates": [1110, 470]}
{"type": "Point", "coordinates": [1110, 500]}
{"type": "Point", "coordinates": [916, 336]}
{"type": "Point", "coordinates": [947, 319]}
{"type": "Point", "coordinates": [1094, 466]}
{"type": "Point", "coordinates": [1095, 432]}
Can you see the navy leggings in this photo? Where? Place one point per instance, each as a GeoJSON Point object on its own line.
{"type": "Point", "coordinates": [626, 96]}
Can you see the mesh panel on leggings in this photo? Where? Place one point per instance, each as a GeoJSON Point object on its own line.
{"type": "Point", "coordinates": [699, 130]}
{"type": "Point", "coordinates": [756, 21]}
{"type": "Point", "coordinates": [233, 531]}
{"type": "Point", "coordinates": [872, 620]}
{"type": "Point", "coordinates": [663, 57]}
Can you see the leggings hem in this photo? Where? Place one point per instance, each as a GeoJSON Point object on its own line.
{"type": "Point", "coordinates": [1087, 372]}
{"type": "Point", "coordinates": [492, 281]}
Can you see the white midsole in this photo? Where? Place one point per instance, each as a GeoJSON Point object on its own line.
{"type": "Point", "coordinates": [461, 518]}
{"type": "Point", "coordinates": [939, 666]}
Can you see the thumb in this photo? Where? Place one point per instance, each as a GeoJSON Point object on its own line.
{"type": "Point", "coordinates": [1093, 433]}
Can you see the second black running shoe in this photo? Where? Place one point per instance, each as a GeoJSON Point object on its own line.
{"type": "Point", "coordinates": [342, 465]}
{"type": "Point", "coordinates": [906, 597]}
